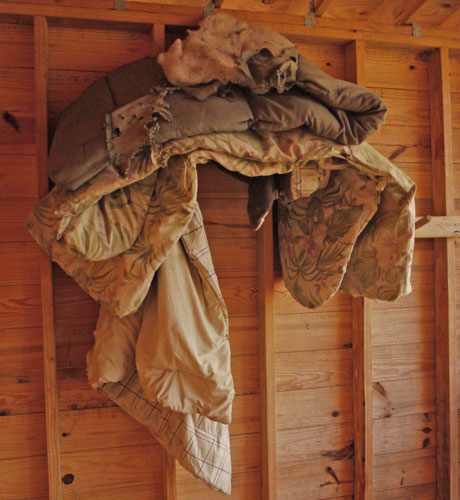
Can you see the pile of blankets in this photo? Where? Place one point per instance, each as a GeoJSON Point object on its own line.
{"type": "Point", "coordinates": [124, 221]}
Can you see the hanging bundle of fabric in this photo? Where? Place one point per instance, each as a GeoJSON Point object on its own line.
{"type": "Point", "coordinates": [124, 221]}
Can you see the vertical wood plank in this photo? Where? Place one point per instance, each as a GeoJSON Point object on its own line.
{"type": "Point", "coordinates": [158, 39]}
{"type": "Point", "coordinates": [46, 278]}
{"type": "Point", "coordinates": [362, 397]}
{"type": "Point", "coordinates": [169, 462]}
{"type": "Point", "coordinates": [445, 300]}
{"type": "Point", "coordinates": [265, 277]}
{"type": "Point", "coordinates": [169, 480]}
{"type": "Point", "coordinates": [362, 339]}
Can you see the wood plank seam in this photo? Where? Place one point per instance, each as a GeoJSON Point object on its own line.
{"type": "Point", "coordinates": [265, 288]}
{"type": "Point", "coordinates": [445, 300]}
{"type": "Point", "coordinates": [362, 341]}
{"type": "Point", "coordinates": [46, 278]}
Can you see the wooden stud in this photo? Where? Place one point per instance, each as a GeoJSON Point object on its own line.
{"type": "Point", "coordinates": [169, 462]}
{"type": "Point", "coordinates": [265, 287]}
{"type": "Point", "coordinates": [46, 278]}
{"type": "Point", "coordinates": [362, 397]}
{"type": "Point", "coordinates": [444, 256]}
{"type": "Point", "coordinates": [362, 340]}
{"type": "Point", "coordinates": [169, 480]}
{"type": "Point", "coordinates": [158, 39]}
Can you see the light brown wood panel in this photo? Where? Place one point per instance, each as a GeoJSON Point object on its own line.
{"type": "Point", "coordinates": [318, 479]}
{"type": "Point", "coordinates": [402, 469]}
{"type": "Point", "coordinates": [434, 12]}
{"type": "Point", "coordinates": [245, 371]}
{"type": "Point", "coordinates": [402, 144]}
{"type": "Point", "coordinates": [455, 107]}
{"type": "Point", "coordinates": [405, 107]}
{"type": "Point", "coordinates": [310, 369]}
{"type": "Point", "coordinates": [312, 443]}
{"type": "Point", "coordinates": [97, 428]}
{"type": "Point", "coordinates": [402, 361]}
{"type": "Point", "coordinates": [414, 325]}
{"type": "Point", "coordinates": [410, 432]}
{"type": "Point", "coordinates": [18, 176]}
{"type": "Point", "coordinates": [404, 397]}
{"type": "Point", "coordinates": [420, 173]}
{"type": "Point", "coordinates": [21, 349]}
{"type": "Point", "coordinates": [111, 469]}
{"type": "Point", "coordinates": [284, 303]}
{"type": "Point", "coordinates": [312, 331]}
{"type": "Point", "coordinates": [13, 215]}
{"type": "Point", "coordinates": [16, 45]}
{"type": "Point", "coordinates": [244, 485]}
{"type": "Point", "coordinates": [22, 392]}
{"type": "Point", "coordinates": [19, 263]}
{"type": "Point", "coordinates": [421, 492]}
{"type": "Point", "coordinates": [72, 303]}
{"type": "Point", "coordinates": [245, 415]}
{"type": "Point", "coordinates": [319, 406]}
{"type": "Point", "coordinates": [75, 392]}
{"type": "Point", "coordinates": [240, 295]}
{"type": "Point", "coordinates": [455, 71]}
{"type": "Point", "coordinates": [17, 89]}
{"type": "Point", "coordinates": [245, 452]}
{"type": "Point", "coordinates": [216, 182]}
{"type": "Point", "coordinates": [394, 12]}
{"type": "Point", "coordinates": [24, 478]}
{"type": "Point", "coordinates": [356, 10]}
{"type": "Point", "coordinates": [395, 67]}
{"type": "Point", "coordinates": [22, 436]}
{"type": "Point", "coordinates": [330, 58]}
{"type": "Point", "coordinates": [226, 218]}
{"type": "Point", "coordinates": [18, 139]}
{"type": "Point", "coordinates": [234, 256]}
{"type": "Point", "coordinates": [95, 49]}
{"type": "Point", "coordinates": [20, 306]}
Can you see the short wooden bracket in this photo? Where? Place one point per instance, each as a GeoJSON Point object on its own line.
{"type": "Point", "coordinates": [431, 226]}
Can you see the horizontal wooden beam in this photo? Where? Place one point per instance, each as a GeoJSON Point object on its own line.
{"type": "Point", "coordinates": [437, 226]}
{"type": "Point", "coordinates": [289, 25]}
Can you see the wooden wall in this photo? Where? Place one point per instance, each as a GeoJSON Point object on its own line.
{"type": "Point", "coordinates": [316, 390]}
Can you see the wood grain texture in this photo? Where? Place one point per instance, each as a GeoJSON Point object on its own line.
{"type": "Point", "coordinates": [267, 358]}
{"type": "Point", "coordinates": [46, 278]}
{"type": "Point", "coordinates": [444, 257]}
{"type": "Point", "coordinates": [355, 53]}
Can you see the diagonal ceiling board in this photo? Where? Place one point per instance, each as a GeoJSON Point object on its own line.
{"type": "Point", "coordinates": [434, 12]}
{"type": "Point", "coordinates": [356, 10]}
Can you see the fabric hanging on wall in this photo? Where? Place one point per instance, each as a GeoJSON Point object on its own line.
{"type": "Point", "coordinates": [124, 220]}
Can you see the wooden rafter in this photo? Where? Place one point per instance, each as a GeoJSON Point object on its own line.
{"type": "Point", "coordinates": [361, 333]}
{"type": "Point", "coordinates": [445, 301]}
{"type": "Point", "coordinates": [46, 277]}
